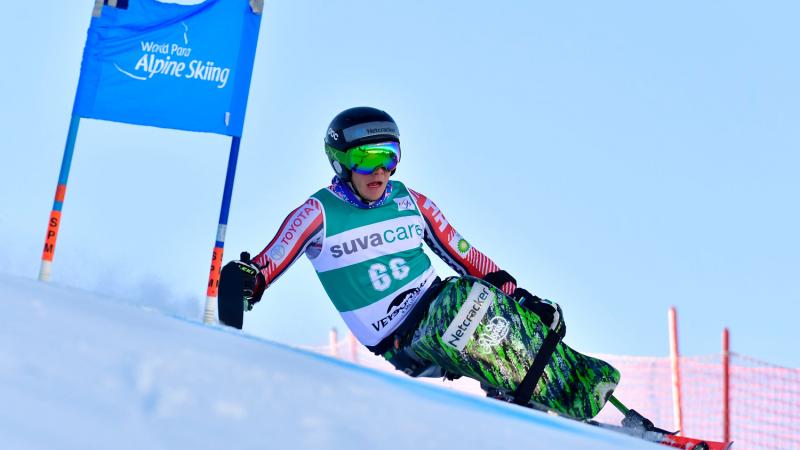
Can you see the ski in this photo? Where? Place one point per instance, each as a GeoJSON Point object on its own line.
{"type": "Point", "coordinates": [638, 423]}
{"type": "Point", "coordinates": [666, 438]}
{"type": "Point", "coordinates": [694, 444]}
{"type": "Point", "coordinates": [635, 425]}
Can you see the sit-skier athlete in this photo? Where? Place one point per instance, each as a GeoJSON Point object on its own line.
{"type": "Point", "coordinates": [364, 233]}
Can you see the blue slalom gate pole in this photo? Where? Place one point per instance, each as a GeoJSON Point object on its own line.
{"type": "Point", "coordinates": [210, 315]}
{"type": "Point", "coordinates": [61, 190]}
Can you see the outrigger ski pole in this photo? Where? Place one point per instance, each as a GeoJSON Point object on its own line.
{"type": "Point", "coordinates": [635, 420]}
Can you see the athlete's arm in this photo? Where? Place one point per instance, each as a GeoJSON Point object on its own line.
{"type": "Point", "coordinates": [301, 231]}
{"type": "Point", "coordinates": [445, 241]}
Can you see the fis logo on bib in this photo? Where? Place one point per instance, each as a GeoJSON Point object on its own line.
{"type": "Point", "coordinates": [404, 203]}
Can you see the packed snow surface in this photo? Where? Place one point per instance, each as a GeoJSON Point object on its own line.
{"type": "Point", "coordinates": [83, 371]}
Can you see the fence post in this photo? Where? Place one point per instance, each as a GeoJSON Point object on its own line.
{"type": "Point", "coordinates": [674, 356]}
{"type": "Point", "coordinates": [353, 348]}
{"type": "Point", "coordinates": [333, 341]}
{"type": "Point", "coordinates": [726, 383]}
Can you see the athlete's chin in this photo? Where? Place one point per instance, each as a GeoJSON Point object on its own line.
{"type": "Point", "coordinates": [373, 196]}
{"type": "Point", "coordinates": [374, 190]}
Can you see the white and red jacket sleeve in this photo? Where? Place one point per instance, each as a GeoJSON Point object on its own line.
{"type": "Point", "coordinates": [456, 251]}
{"type": "Point", "coordinates": [301, 232]}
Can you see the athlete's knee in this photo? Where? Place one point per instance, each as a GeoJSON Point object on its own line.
{"type": "Point", "coordinates": [405, 360]}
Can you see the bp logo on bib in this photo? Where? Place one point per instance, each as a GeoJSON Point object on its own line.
{"type": "Point", "coordinates": [460, 245]}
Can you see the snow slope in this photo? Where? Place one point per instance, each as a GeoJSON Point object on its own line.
{"type": "Point", "coordinates": [82, 371]}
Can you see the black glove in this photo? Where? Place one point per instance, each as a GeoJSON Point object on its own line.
{"type": "Point", "coordinates": [549, 312]}
{"type": "Point", "coordinates": [253, 281]}
{"type": "Point", "coordinates": [499, 278]}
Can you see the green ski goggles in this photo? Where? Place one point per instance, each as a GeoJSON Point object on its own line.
{"type": "Point", "coordinates": [366, 158]}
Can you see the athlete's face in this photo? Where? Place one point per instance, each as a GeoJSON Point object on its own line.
{"type": "Point", "coordinates": [372, 186]}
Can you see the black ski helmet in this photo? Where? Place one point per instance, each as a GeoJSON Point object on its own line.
{"type": "Point", "coordinates": [358, 126]}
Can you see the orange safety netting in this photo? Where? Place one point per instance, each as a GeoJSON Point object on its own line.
{"type": "Point", "coordinates": [764, 398]}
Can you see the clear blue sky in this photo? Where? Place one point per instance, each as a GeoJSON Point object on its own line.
{"type": "Point", "coordinates": [618, 157]}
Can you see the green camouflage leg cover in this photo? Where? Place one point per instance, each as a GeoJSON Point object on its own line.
{"type": "Point", "coordinates": [473, 329]}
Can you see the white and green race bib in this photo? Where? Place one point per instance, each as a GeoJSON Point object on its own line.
{"type": "Point", "coordinates": [371, 264]}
